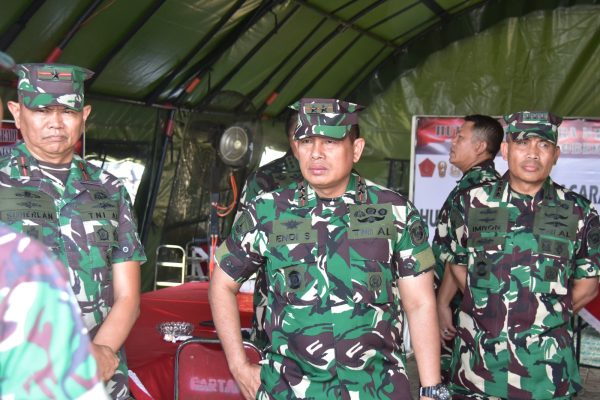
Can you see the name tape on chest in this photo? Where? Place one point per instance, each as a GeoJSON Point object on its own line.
{"type": "Point", "coordinates": [17, 204]}
{"type": "Point", "coordinates": [371, 221]}
{"type": "Point", "coordinates": [292, 232]}
{"type": "Point", "coordinates": [105, 209]}
{"type": "Point", "coordinates": [556, 220]}
{"type": "Point", "coordinates": [488, 220]}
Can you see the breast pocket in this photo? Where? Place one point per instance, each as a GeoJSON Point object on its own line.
{"type": "Point", "coordinates": [551, 272]}
{"type": "Point", "coordinates": [371, 278]}
{"type": "Point", "coordinates": [100, 221]}
{"type": "Point", "coordinates": [485, 288]}
{"type": "Point", "coordinates": [295, 282]}
{"type": "Point", "coordinates": [483, 267]}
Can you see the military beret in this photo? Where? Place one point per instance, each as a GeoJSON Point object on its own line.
{"type": "Point", "coordinates": [331, 118]}
{"type": "Point", "coordinates": [526, 124]}
{"type": "Point", "coordinates": [42, 85]}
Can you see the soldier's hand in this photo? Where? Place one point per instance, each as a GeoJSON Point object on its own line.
{"type": "Point", "coordinates": [447, 330]}
{"type": "Point", "coordinates": [247, 377]}
{"type": "Point", "coordinates": [106, 359]}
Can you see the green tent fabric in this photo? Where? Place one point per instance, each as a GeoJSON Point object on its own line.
{"type": "Point", "coordinates": [213, 64]}
{"type": "Point", "coordinates": [545, 60]}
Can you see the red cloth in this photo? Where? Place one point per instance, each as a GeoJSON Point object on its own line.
{"type": "Point", "coordinates": [591, 313]}
{"type": "Point", "coordinates": [151, 357]}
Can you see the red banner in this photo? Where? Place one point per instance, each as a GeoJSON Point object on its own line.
{"type": "Point", "coordinates": [9, 135]}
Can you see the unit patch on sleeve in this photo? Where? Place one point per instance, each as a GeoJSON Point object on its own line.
{"type": "Point", "coordinates": [417, 233]}
{"type": "Point", "coordinates": [244, 224]}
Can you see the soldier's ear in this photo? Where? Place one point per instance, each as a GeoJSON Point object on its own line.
{"type": "Point", "coordinates": [358, 146]}
{"type": "Point", "coordinates": [481, 147]}
{"type": "Point", "coordinates": [15, 110]}
{"type": "Point", "coordinates": [504, 150]}
{"type": "Point", "coordinates": [87, 109]}
{"type": "Point", "coordinates": [294, 147]}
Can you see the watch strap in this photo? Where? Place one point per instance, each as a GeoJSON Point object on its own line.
{"type": "Point", "coordinates": [427, 391]}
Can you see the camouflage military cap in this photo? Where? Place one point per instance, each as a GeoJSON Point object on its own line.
{"type": "Point", "coordinates": [325, 117]}
{"type": "Point", "coordinates": [526, 124]}
{"type": "Point", "coordinates": [43, 85]}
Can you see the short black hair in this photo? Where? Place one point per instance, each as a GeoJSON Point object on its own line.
{"type": "Point", "coordinates": [291, 121]}
{"type": "Point", "coordinates": [489, 130]}
{"type": "Point", "coordinates": [354, 133]}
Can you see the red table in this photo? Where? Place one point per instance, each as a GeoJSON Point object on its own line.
{"type": "Point", "coordinates": [151, 357]}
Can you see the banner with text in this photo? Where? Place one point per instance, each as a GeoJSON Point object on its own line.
{"type": "Point", "coordinates": [433, 177]}
{"type": "Point", "coordinates": [9, 135]}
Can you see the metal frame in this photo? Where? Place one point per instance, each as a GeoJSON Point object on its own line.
{"type": "Point", "coordinates": [182, 266]}
{"type": "Point", "coordinates": [248, 346]}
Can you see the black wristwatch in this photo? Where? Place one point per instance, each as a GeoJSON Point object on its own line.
{"type": "Point", "coordinates": [437, 392]}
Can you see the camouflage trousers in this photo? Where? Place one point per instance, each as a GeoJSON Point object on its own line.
{"type": "Point", "coordinates": [446, 360]}
{"type": "Point", "coordinates": [118, 386]}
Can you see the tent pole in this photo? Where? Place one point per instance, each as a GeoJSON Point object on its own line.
{"type": "Point", "coordinates": [151, 202]}
{"type": "Point", "coordinates": [10, 34]}
{"type": "Point", "coordinates": [207, 62]}
{"type": "Point", "coordinates": [57, 51]}
{"type": "Point", "coordinates": [212, 92]}
{"type": "Point", "coordinates": [139, 24]}
{"type": "Point", "coordinates": [152, 97]}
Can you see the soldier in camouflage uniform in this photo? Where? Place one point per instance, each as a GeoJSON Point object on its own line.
{"type": "Point", "coordinates": [44, 347]}
{"type": "Point", "coordinates": [278, 173]}
{"type": "Point", "coordinates": [473, 150]}
{"type": "Point", "coordinates": [527, 255]}
{"type": "Point", "coordinates": [83, 214]}
{"type": "Point", "coordinates": [338, 251]}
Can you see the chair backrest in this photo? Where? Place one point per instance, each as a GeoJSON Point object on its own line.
{"type": "Point", "coordinates": [201, 370]}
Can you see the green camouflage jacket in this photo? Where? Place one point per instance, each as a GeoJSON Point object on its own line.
{"type": "Point", "coordinates": [441, 241]}
{"type": "Point", "coordinates": [87, 223]}
{"type": "Point", "coordinates": [514, 332]}
{"type": "Point", "coordinates": [486, 171]}
{"type": "Point", "coordinates": [44, 348]}
{"type": "Point", "coordinates": [334, 317]}
{"type": "Point", "coordinates": [278, 173]}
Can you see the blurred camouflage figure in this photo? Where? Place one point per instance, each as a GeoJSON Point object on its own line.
{"type": "Point", "coordinates": [83, 214]}
{"type": "Point", "coordinates": [276, 174]}
{"type": "Point", "coordinates": [44, 347]}
{"type": "Point", "coordinates": [338, 252]}
{"type": "Point", "coordinates": [473, 150]}
{"type": "Point", "coordinates": [527, 254]}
